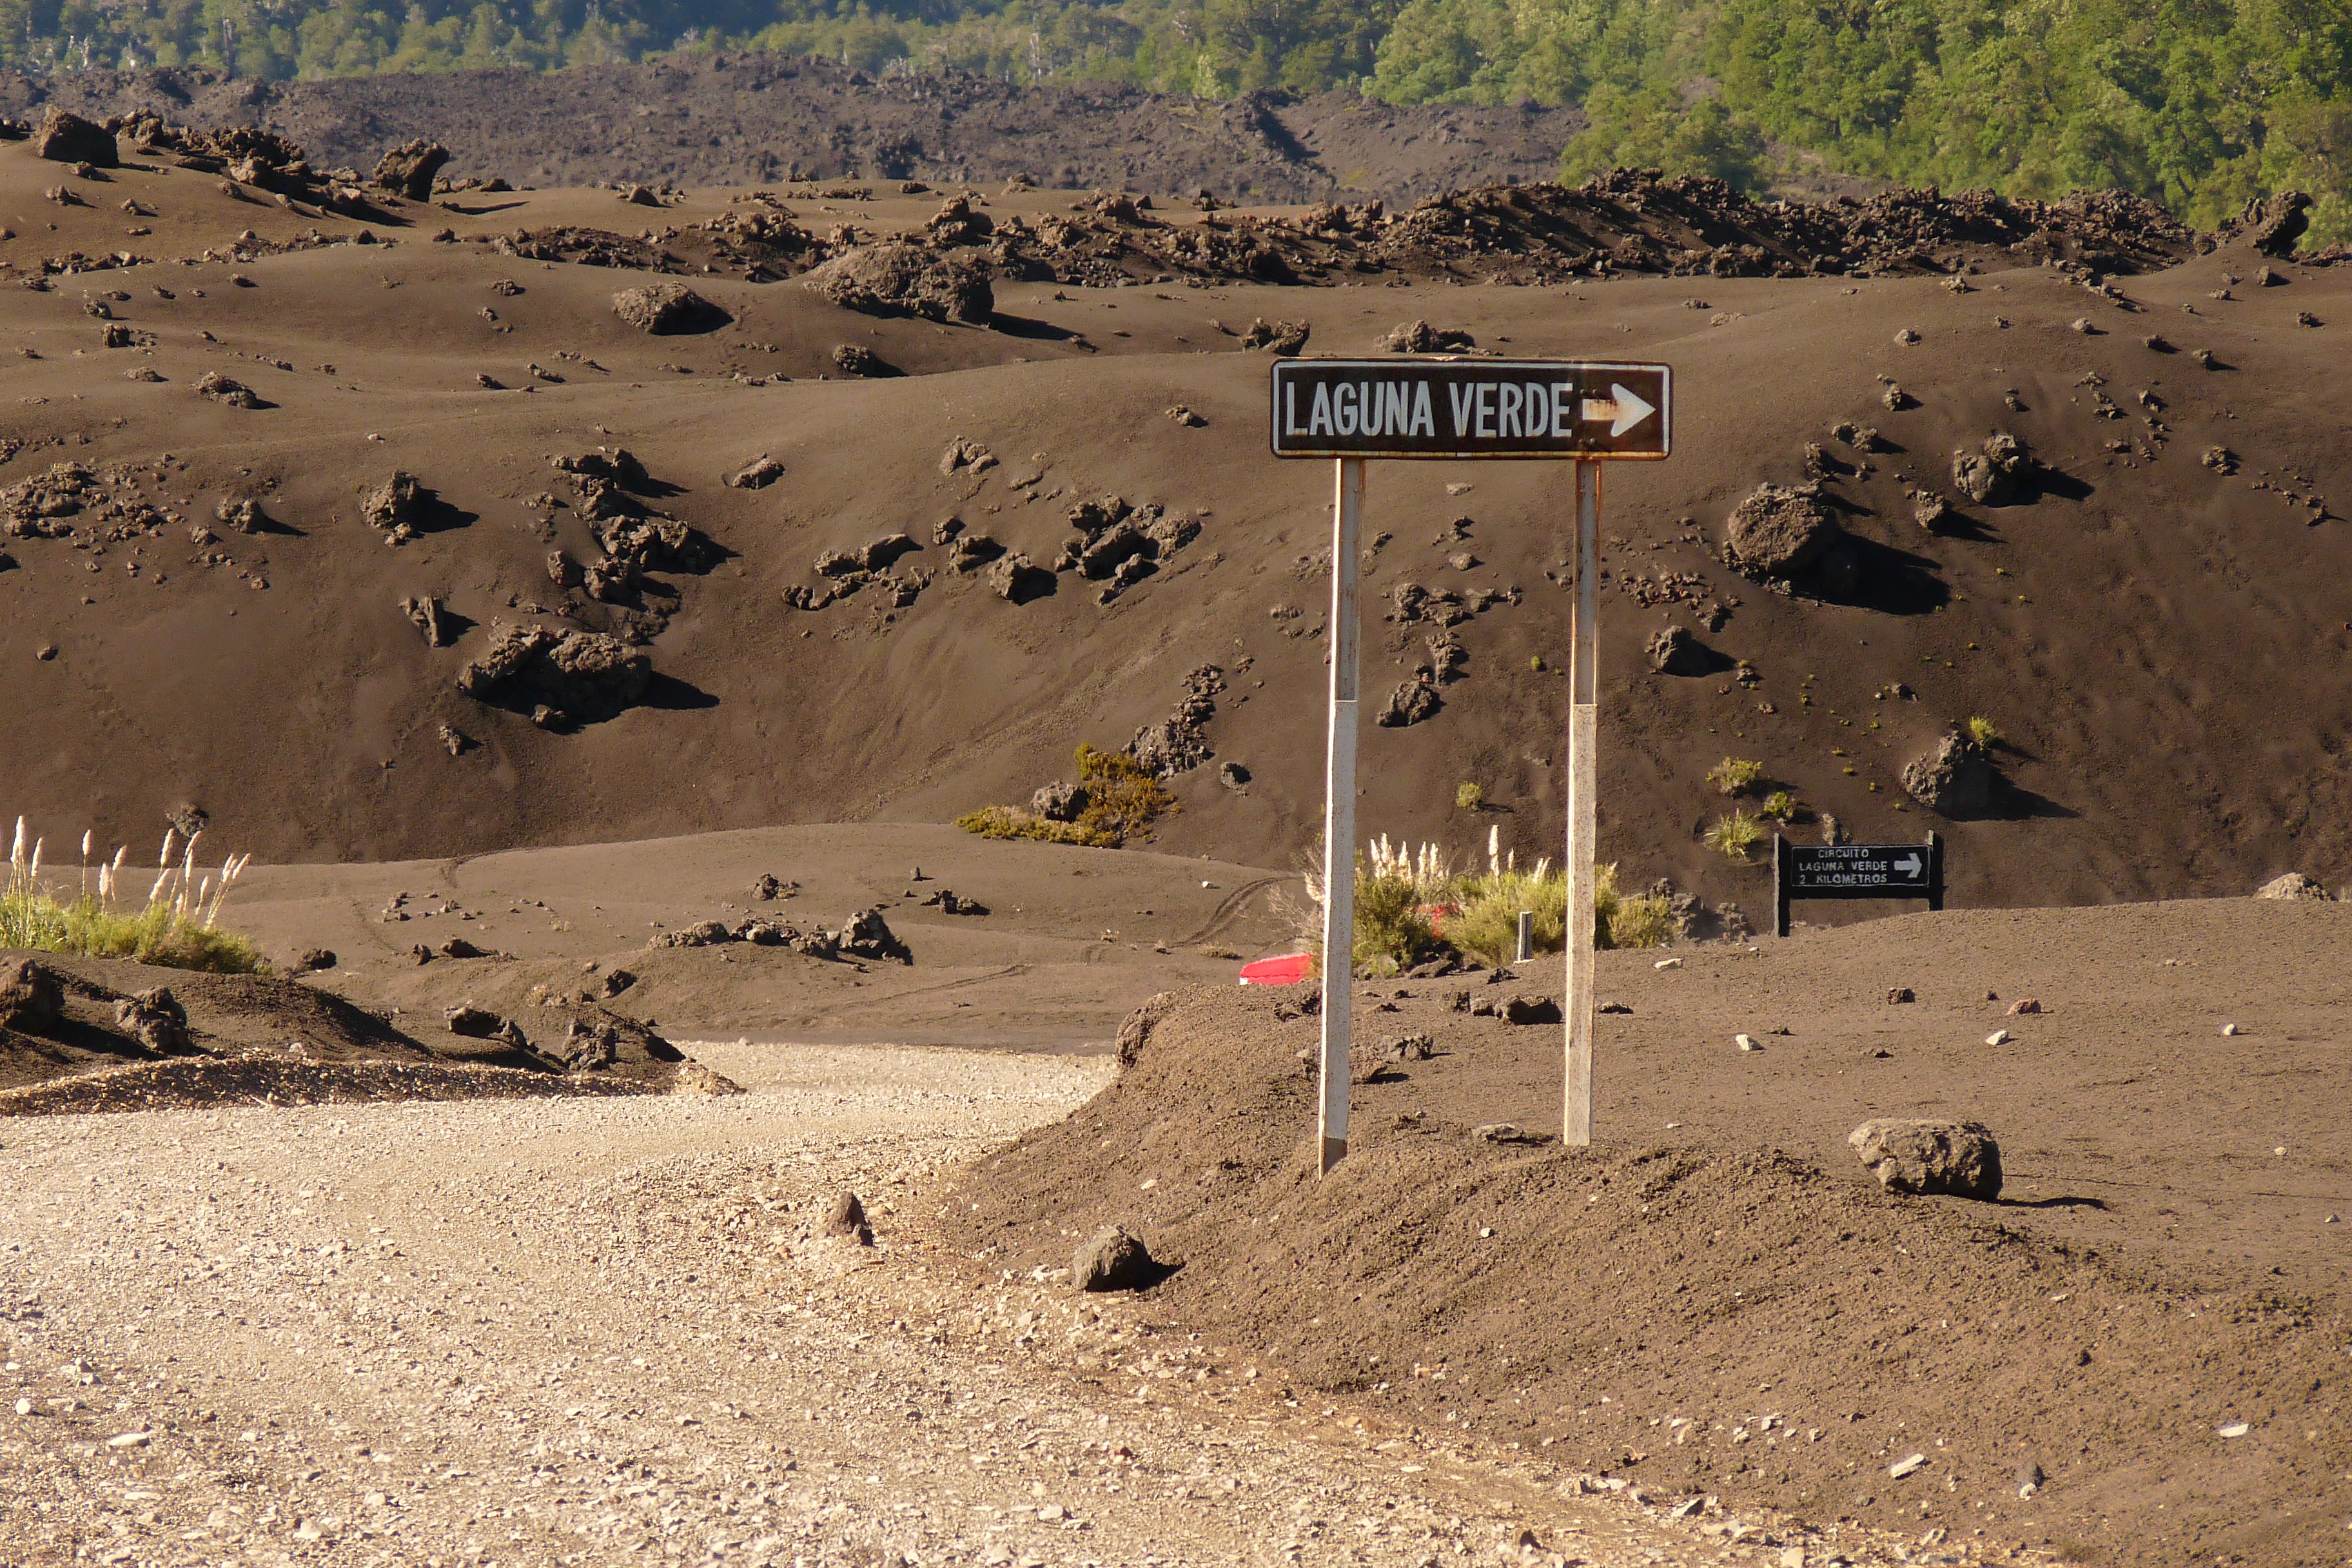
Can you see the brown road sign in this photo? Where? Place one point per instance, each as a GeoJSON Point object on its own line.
{"type": "Point", "coordinates": [1455, 408]}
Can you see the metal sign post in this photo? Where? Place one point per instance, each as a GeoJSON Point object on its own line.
{"type": "Point", "coordinates": [1453, 408]}
{"type": "Point", "coordinates": [1854, 872]}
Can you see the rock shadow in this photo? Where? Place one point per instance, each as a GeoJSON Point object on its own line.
{"type": "Point", "coordinates": [1893, 581]}
{"type": "Point", "coordinates": [667, 692]}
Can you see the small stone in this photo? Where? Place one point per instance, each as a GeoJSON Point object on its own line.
{"type": "Point", "coordinates": [1899, 994]}
{"type": "Point", "coordinates": [2023, 1006]}
{"type": "Point", "coordinates": [2232, 1429]}
{"type": "Point", "coordinates": [25, 1407]}
{"type": "Point", "coordinates": [141, 1439]}
{"type": "Point", "coordinates": [1497, 1133]}
{"type": "Point", "coordinates": [1997, 1038]}
{"type": "Point", "coordinates": [2293, 887]}
{"type": "Point", "coordinates": [1688, 1507]}
{"type": "Point", "coordinates": [1746, 1042]}
{"type": "Point", "coordinates": [1532, 1010]}
{"type": "Point", "coordinates": [1909, 1465]}
{"type": "Point", "coordinates": [2229, 1031]}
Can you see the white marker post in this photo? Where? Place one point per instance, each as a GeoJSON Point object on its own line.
{"type": "Point", "coordinates": [1339, 817]}
{"type": "Point", "coordinates": [1457, 408]}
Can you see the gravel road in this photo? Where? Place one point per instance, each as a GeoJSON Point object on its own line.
{"type": "Point", "coordinates": [602, 1331]}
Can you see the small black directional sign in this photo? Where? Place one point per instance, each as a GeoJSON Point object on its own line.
{"type": "Point", "coordinates": [1415, 407]}
{"type": "Point", "coordinates": [1854, 872]}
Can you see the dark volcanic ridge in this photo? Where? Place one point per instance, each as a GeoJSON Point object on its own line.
{"type": "Point", "coordinates": [741, 118]}
{"type": "Point", "coordinates": [96, 1034]}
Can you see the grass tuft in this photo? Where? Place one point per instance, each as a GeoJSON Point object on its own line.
{"type": "Point", "coordinates": [1983, 732]}
{"type": "Point", "coordinates": [177, 927]}
{"type": "Point", "coordinates": [1735, 833]}
{"type": "Point", "coordinates": [1468, 796]}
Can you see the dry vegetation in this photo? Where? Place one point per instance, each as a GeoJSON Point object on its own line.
{"type": "Point", "coordinates": [177, 925]}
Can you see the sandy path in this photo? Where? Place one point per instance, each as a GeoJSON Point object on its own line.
{"type": "Point", "coordinates": [595, 1331]}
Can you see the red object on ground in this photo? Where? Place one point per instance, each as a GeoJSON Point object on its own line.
{"type": "Point", "coordinates": [1290, 969]}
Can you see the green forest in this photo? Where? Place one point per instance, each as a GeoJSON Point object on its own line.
{"type": "Point", "coordinates": [2198, 103]}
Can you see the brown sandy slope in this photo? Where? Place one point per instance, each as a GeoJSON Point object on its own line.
{"type": "Point", "coordinates": [1072, 940]}
{"type": "Point", "coordinates": [2162, 646]}
{"type": "Point", "coordinates": [1717, 1299]}
{"type": "Point", "coordinates": [743, 118]}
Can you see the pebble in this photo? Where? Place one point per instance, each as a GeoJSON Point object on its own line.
{"type": "Point", "coordinates": [2234, 1429]}
{"type": "Point", "coordinates": [2228, 1030]}
{"type": "Point", "coordinates": [1746, 1042]}
{"type": "Point", "coordinates": [1910, 1466]}
{"type": "Point", "coordinates": [127, 1440]}
{"type": "Point", "coordinates": [1997, 1038]}
{"type": "Point", "coordinates": [1667, 963]}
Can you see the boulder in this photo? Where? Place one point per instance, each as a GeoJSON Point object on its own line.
{"type": "Point", "coordinates": [1113, 1258]}
{"type": "Point", "coordinates": [967, 553]}
{"type": "Point", "coordinates": [2273, 223]}
{"type": "Point", "coordinates": [583, 677]}
{"type": "Point", "coordinates": [1675, 651]}
{"type": "Point", "coordinates": [425, 613]}
{"type": "Point", "coordinates": [857, 360]}
{"type": "Point", "coordinates": [395, 508]}
{"type": "Point", "coordinates": [1955, 779]}
{"type": "Point", "coordinates": [222, 389]}
{"type": "Point", "coordinates": [30, 997]}
{"type": "Point", "coordinates": [1778, 533]}
{"type": "Point", "coordinates": [408, 169]}
{"type": "Point", "coordinates": [1233, 775]}
{"type": "Point", "coordinates": [663, 309]}
{"type": "Point", "coordinates": [895, 279]}
{"type": "Point", "coordinates": [475, 1023]}
{"type": "Point", "coordinates": [1282, 339]}
{"type": "Point", "coordinates": [868, 936]}
{"type": "Point", "coordinates": [1991, 475]}
{"type": "Point", "coordinates": [2295, 887]}
{"type": "Point", "coordinates": [1959, 1158]}
{"type": "Point", "coordinates": [156, 1020]}
{"type": "Point", "coordinates": [1420, 338]}
{"type": "Point", "coordinates": [1060, 801]}
{"type": "Point", "coordinates": [844, 1216]}
{"type": "Point", "coordinates": [1532, 1010]}
{"type": "Point", "coordinates": [1019, 579]}
{"type": "Point", "coordinates": [756, 475]}
{"type": "Point", "coordinates": [1411, 702]}
{"type": "Point", "coordinates": [69, 139]}
{"type": "Point", "coordinates": [311, 960]}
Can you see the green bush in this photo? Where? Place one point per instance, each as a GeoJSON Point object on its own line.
{"type": "Point", "coordinates": [1124, 798]}
{"type": "Point", "coordinates": [1982, 731]}
{"type": "Point", "coordinates": [1734, 775]}
{"type": "Point", "coordinates": [1394, 931]}
{"type": "Point", "coordinates": [1468, 797]}
{"type": "Point", "coordinates": [1780, 805]}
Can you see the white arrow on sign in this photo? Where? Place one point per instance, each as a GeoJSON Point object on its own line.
{"type": "Point", "coordinates": [1622, 408]}
{"type": "Point", "coordinates": [1910, 865]}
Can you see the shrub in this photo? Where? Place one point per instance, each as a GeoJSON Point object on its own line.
{"type": "Point", "coordinates": [1468, 797]}
{"type": "Point", "coordinates": [1983, 732]}
{"type": "Point", "coordinates": [1734, 835]}
{"type": "Point", "coordinates": [1780, 805]}
{"type": "Point", "coordinates": [177, 927]}
{"type": "Point", "coordinates": [1124, 798]}
{"type": "Point", "coordinates": [1734, 775]}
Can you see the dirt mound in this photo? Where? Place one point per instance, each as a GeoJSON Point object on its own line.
{"type": "Point", "coordinates": [733, 118]}
{"type": "Point", "coordinates": [1736, 1309]}
{"type": "Point", "coordinates": [105, 1034]}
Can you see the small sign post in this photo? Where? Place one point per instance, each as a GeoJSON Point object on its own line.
{"type": "Point", "coordinates": [1457, 408]}
{"type": "Point", "coordinates": [1854, 872]}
